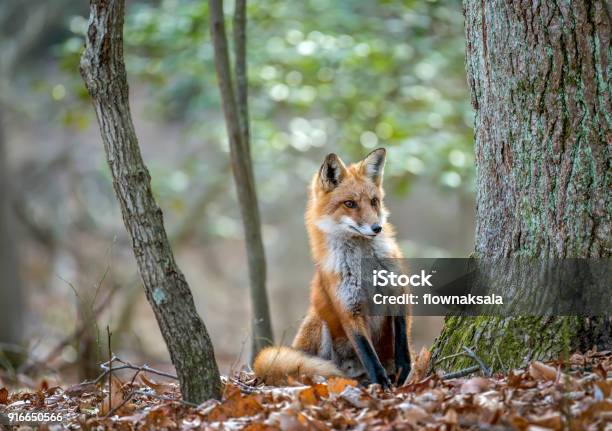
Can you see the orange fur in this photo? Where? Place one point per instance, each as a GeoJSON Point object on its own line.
{"type": "Point", "coordinates": [275, 364]}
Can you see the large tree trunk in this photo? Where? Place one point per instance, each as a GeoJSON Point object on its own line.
{"type": "Point", "coordinates": [11, 298]}
{"type": "Point", "coordinates": [103, 70]}
{"type": "Point", "coordinates": [538, 74]}
{"type": "Point", "coordinates": [237, 124]}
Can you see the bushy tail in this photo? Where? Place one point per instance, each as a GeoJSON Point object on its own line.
{"type": "Point", "coordinates": [275, 364]}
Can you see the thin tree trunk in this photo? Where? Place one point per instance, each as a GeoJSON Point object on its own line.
{"type": "Point", "coordinates": [236, 120]}
{"type": "Point", "coordinates": [103, 70]}
{"type": "Point", "coordinates": [538, 74]}
{"type": "Point", "coordinates": [242, 79]}
{"type": "Point", "coordinates": [11, 297]}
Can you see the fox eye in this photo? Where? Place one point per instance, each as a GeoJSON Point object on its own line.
{"type": "Point", "coordinates": [374, 202]}
{"type": "Point", "coordinates": [350, 204]}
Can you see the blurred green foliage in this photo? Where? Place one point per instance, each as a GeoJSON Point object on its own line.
{"type": "Point", "coordinates": [324, 76]}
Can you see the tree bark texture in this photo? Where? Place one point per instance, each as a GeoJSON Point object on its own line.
{"type": "Point", "coordinates": [11, 295]}
{"type": "Point", "coordinates": [236, 120]}
{"type": "Point", "coordinates": [103, 70]}
{"type": "Point", "coordinates": [539, 79]}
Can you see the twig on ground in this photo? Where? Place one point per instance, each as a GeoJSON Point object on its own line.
{"type": "Point", "coordinates": [110, 370]}
{"type": "Point", "coordinates": [124, 402]}
{"type": "Point", "coordinates": [127, 366]}
{"type": "Point", "coordinates": [127, 398]}
{"type": "Point", "coordinates": [461, 373]}
{"type": "Point", "coordinates": [485, 370]}
{"type": "Point", "coordinates": [454, 355]}
{"type": "Point", "coordinates": [243, 386]}
{"type": "Point", "coordinates": [501, 363]}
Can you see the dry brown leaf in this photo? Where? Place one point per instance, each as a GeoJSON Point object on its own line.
{"type": "Point", "coordinates": [158, 387]}
{"type": "Point", "coordinates": [540, 371]}
{"type": "Point", "coordinates": [288, 421]}
{"type": "Point", "coordinates": [355, 397]}
{"type": "Point", "coordinates": [44, 385]}
{"type": "Point", "coordinates": [321, 390]}
{"type": "Point", "coordinates": [159, 418]}
{"type": "Point", "coordinates": [605, 386]}
{"type": "Point", "coordinates": [115, 396]}
{"type": "Point", "coordinates": [578, 359]}
{"type": "Point", "coordinates": [475, 385]}
{"type": "Point", "coordinates": [336, 385]}
{"type": "Point", "coordinates": [412, 413]}
{"type": "Point", "coordinates": [4, 396]}
{"type": "Point", "coordinates": [419, 367]}
{"type": "Point", "coordinates": [235, 406]}
{"type": "Point", "coordinates": [308, 396]}
{"type": "Point", "coordinates": [518, 421]}
{"type": "Point", "coordinates": [451, 417]}
{"type": "Point", "coordinates": [134, 418]}
{"type": "Point", "coordinates": [490, 400]}
{"type": "Point", "coordinates": [515, 380]}
{"type": "Point", "coordinates": [551, 420]}
{"type": "Point", "coordinates": [258, 426]}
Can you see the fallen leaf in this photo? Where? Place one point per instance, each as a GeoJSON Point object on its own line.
{"type": "Point", "coordinates": [539, 371]}
{"type": "Point", "coordinates": [605, 386]}
{"type": "Point", "coordinates": [451, 417]}
{"type": "Point", "coordinates": [159, 388]}
{"type": "Point", "coordinates": [515, 380]}
{"type": "Point", "coordinates": [490, 400]}
{"type": "Point", "coordinates": [420, 366]}
{"type": "Point", "coordinates": [412, 413]}
{"type": "Point", "coordinates": [550, 420]}
{"type": "Point", "coordinates": [44, 385]}
{"type": "Point", "coordinates": [321, 390]}
{"type": "Point", "coordinates": [336, 385]}
{"type": "Point", "coordinates": [355, 397]}
{"type": "Point", "coordinates": [475, 385]}
{"type": "Point", "coordinates": [114, 398]}
{"type": "Point", "coordinates": [518, 421]}
{"type": "Point", "coordinates": [4, 396]}
{"type": "Point", "coordinates": [288, 421]}
{"type": "Point", "coordinates": [159, 418]}
{"type": "Point", "coordinates": [258, 426]}
{"type": "Point", "coordinates": [308, 397]}
{"type": "Point", "coordinates": [236, 405]}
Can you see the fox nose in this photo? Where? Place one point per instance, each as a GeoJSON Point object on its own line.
{"type": "Point", "coordinates": [376, 228]}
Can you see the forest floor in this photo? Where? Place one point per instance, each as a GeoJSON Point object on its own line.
{"type": "Point", "coordinates": [543, 396]}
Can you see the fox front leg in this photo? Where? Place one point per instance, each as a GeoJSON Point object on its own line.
{"type": "Point", "coordinates": [358, 335]}
{"type": "Point", "coordinates": [402, 353]}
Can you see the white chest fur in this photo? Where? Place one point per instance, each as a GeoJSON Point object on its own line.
{"type": "Point", "coordinates": [346, 257]}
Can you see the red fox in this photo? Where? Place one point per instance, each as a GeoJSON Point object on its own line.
{"type": "Point", "coordinates": [346, 221]}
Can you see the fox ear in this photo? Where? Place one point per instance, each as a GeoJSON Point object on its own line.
{"type": "Point", "coordinates": [374, 165]}
{"type": "Point", "coordinates": [332, 172]}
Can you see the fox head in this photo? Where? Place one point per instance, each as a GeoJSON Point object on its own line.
{"type": "Point", "coordinates": [349, 200]}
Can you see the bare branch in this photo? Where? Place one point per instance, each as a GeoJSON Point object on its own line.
{"type": "Point", "coordinates": [242, 82]}
{"type": "Point", "coordinates": [461, 373]}
{"type": "Point", "coordinates": [485, 370]}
